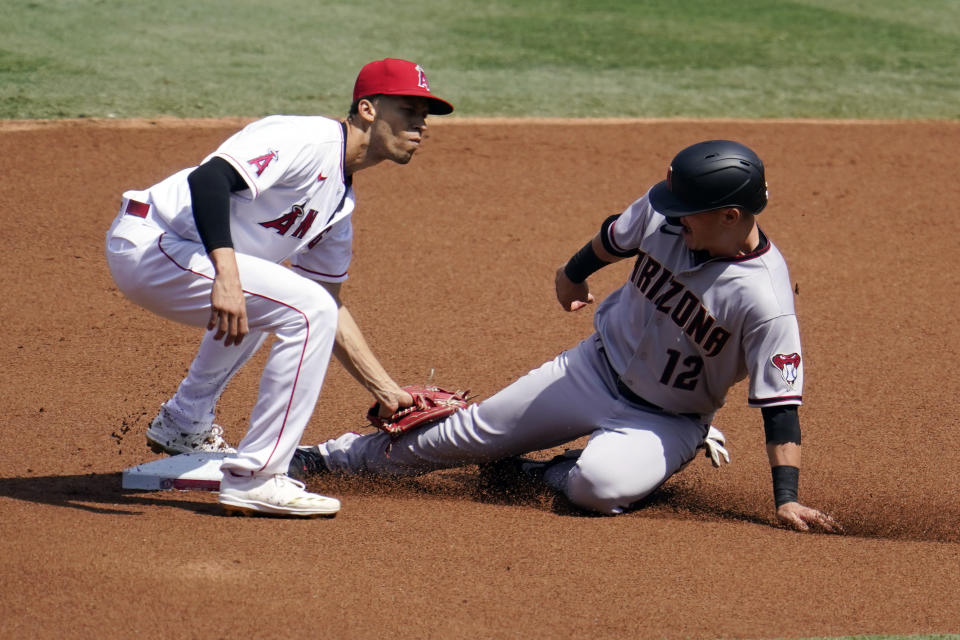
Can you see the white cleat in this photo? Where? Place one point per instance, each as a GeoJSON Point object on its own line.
{"type": "Point", "coordinates": [165, 436]}
{"type": "Point", "coordinates": [277, 495]}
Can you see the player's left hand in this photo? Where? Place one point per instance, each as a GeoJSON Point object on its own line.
{"type": "Point", "coordinates": [714, 447]}
{"type": "Point", "coordinates": [801, 518]}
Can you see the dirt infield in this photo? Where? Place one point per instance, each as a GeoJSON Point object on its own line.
{"type": "Point", "coordinates": [866, 215]}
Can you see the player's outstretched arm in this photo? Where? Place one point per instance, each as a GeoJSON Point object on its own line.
{"type": "Point", "coordinates": [573, 292]}
{"type": "Point", "coordinates": [356, 356]}
{"type": "Point", "coordinates": [785, 465]}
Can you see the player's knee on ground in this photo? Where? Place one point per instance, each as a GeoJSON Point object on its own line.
{"type": "Point", "coordinates": [610, 489]}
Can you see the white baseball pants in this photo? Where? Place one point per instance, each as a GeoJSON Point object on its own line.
{"type": "Point", "coordinates": [173, 277]}
{"type": "Point", "coordinates": [631, 450]}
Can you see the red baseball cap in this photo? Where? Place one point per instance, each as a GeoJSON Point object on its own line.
{"type": "Point", "coordinates": [394, 77]}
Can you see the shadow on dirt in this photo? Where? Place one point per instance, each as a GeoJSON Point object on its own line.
{"type": "Point", "coordinates": [96, 493]}
{"type": "Point", "coordinates": [103, 493]}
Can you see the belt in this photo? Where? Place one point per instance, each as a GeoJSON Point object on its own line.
{"type": "Point", "coordinates": [632, 396]}
{"type": "Point", "coordinates": [139, 209]}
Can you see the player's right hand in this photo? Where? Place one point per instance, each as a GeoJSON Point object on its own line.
{"type": "Point", "coordinates": [228, 313]}
{"type": "Point", "coordinates": [393, 402]}
{"type": "Point", "coordinates": [571, 295]}
{"type": "Point", "coordinates": [228, 307]}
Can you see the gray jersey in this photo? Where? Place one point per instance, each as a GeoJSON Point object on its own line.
{"type": "Point", "coordinates": [683, 330]}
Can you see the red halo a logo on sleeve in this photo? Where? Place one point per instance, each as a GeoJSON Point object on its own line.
{"type": "Point", "coordinates": [262, 162]}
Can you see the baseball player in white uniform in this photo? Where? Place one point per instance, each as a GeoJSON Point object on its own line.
{"type": "Point", "coordinates": [204, 247]}
{"type": "Point", "coordinates": [708, 302]}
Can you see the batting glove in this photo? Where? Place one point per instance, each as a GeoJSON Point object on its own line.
{"type": "Point", "coordinates": [715, 450]}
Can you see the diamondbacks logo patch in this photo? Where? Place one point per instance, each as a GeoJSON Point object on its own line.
{"type": "Point", "coordinates": [789, 366]}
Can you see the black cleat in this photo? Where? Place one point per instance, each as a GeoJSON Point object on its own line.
{"type": "Point", "coordinates": [306, 462]}
{"type": "Point", "coordinates": [518, 469]}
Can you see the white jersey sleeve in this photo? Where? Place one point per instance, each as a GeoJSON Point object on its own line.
{"type": "Point", "coordinates": [771, 339]}
{"type": "Point", "coordinates": [772, 353]}
{"type": "Point", "coordinates": [275, 150]}
{"type": "Point", "coordinates": [625, 233]}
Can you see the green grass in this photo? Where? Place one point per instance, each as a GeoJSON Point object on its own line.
{"type": "Point", "coordinates": [568, 58]}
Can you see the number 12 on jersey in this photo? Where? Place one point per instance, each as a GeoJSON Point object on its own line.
{"type": "Point", "coordinates": [687, 377]}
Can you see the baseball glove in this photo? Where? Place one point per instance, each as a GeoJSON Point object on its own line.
{"type": "Point", "coordinates": [430, 404]}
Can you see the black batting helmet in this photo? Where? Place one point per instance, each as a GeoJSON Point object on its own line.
{"type": "Point", "coordinates": [711, 175]}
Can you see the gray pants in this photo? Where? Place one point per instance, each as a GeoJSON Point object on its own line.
{"type": "Point", "coordinates": [631, 450]}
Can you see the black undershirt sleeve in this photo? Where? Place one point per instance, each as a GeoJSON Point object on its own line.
{"type": "Point", "coordinates": [210, 187]}
{"type": "Point", "coordinates": [583, 263]}
{"type": "Point", "coordinates": [781, 424]}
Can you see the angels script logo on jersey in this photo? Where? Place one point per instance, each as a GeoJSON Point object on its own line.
{"type": "Point", "coordinates": [284, 223]}
{"type": "Point", "coordinates": [788, 364]}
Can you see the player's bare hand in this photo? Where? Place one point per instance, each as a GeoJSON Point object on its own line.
{"type": "Point", "coordinates": [572, 295]}
{"type": "Point", "coordinates": [796, 516]}
{"type": "Point", "coordinates": [228, 314]}
{"type": "Point", "coordinates": [393, 402]}
{"type": "Point", "coordinates": [228, 307]}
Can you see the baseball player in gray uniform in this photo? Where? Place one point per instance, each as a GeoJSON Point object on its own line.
{"type": "Point", "coordinates": [204, 247]}
{"type": "Point", "coordinates": [707, 303]}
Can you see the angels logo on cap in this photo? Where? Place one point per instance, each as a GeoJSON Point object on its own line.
{"type": "Point", "coordinates": [395, 77]}
{"type": "Point", "coordinates": [422, 81]}
{"type": "Point", "coordinates": [788, 364]}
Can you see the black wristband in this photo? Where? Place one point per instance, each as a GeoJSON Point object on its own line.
{"type": "Point", "coordinates": [786, 483]}
{"type": "Point", "coordinates": [583, 263]}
